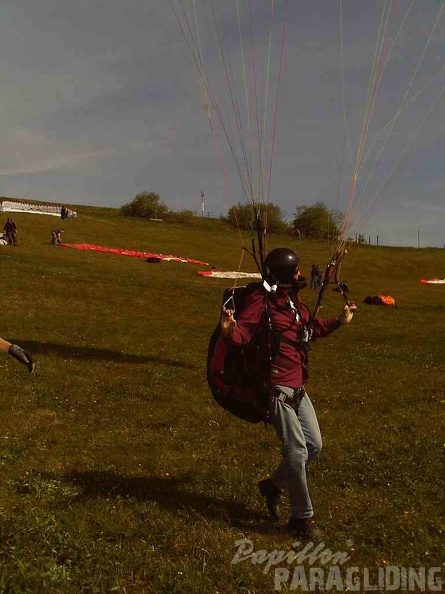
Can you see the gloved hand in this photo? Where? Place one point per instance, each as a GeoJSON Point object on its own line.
{"type": "Point", "coordinates": [22, 356]}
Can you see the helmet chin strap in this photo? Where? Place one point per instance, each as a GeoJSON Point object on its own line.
{"type": "Point", "coordinates": [300, 284]}
{"type": "Point", "coordinates": [296, 285]}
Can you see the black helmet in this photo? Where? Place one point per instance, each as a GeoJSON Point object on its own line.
{"type": "Point", "coordinates": [281, 265]}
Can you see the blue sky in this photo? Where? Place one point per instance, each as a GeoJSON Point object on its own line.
{"type": "Point", "coordinates": [100, 101]}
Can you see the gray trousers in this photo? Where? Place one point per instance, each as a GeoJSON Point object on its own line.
{"type": "Point", "coordinates": [300, 436]}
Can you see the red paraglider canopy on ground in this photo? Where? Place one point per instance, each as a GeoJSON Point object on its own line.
{"type": "Point", "coordinates": [135, 254]}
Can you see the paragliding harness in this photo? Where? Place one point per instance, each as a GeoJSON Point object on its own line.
{"type": "Point", "coordinates": [238, 376]}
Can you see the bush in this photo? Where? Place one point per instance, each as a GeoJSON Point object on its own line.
{"type": "Point", "coordinates": [146, 205]}
{"type": "Point", "coordinates": [243, 216]}
{"type": "Point", "coordinates": [317, 221]}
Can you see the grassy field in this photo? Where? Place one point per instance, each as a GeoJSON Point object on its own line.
{"type": "Point", "coordinates": [118, 471]}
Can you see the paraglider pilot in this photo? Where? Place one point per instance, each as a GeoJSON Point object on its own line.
{"type": "Point", "coordinates": [291, 411]}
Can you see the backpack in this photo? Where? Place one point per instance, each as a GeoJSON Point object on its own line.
{"type": "Point", "coordinates": [238, 375]}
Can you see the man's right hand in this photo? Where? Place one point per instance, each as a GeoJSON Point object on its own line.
{"type": "Point", "coordinates": [228, 322]}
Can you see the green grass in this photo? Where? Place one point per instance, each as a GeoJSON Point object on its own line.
{"type": "Point", "coordinates": [118, 471]}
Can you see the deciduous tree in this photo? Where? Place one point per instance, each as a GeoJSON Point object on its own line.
{"type": "Point", "coordinates": [316, 221]}
{"type": "Point", "coordinates": [146, 205]}
{"type": "Point", "coordinates": [243, 216]}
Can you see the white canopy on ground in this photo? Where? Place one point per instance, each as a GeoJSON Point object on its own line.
{"type": "Point", "coordinates": [229, 274]}
{"type": "Point", "coordinates": [433, 281]}
{"type": "Point", "coordinates": [47, 209]}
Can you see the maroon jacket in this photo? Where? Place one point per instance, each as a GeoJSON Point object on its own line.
{"type": "Point", "coordinates": [289, 363]}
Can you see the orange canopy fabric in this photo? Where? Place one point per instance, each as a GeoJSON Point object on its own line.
{"type": "Point", "coordinates": [387, 299]}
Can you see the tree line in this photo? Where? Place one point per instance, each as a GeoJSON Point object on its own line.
{"type": "Point", "coordinates": [316, 221]}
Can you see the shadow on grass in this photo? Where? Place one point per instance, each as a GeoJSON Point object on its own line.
{"type": "Point", "coordinates": [172, 494]}
{"type": "Point", "coordinates": [78, 352]}
{"type": "Point", "coordinates": [422, 308]}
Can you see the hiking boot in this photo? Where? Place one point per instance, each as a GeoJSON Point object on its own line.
{"type": "Point", "coordinates": [305, 528]}
{"type": "Point", "coordinates": [272, 495]}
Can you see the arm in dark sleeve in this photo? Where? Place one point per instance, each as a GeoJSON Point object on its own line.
{"type": "Point", "coordinates": [320, 327]}
{"type": "Point", "coordinates": [324, 327]}
{"type": "Point", "coordinates": [249, 319]}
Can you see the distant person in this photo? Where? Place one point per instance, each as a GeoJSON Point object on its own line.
{"type": "Point", "coordinates": [56, 236]}
{"type": "Point", "coordinates": [319, 275]}
{"type": "Point", "coordinates": [18, 353]}
{"type": "Point", "coordinates": [313, 277]}
{"type": "Point", "coordinates": [10, 231]}
{"type": "Point", "coordinates": [64, 212]}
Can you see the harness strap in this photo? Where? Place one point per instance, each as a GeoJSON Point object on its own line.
{"type": "Point", "coordinates": [290, 342]}
{"type": "Point", "coordinates": [293, 401]}
{"type": "Point", "coordinates": [279, 338]}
